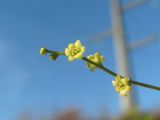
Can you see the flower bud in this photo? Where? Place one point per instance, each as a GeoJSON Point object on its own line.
{"type": "Point", "coordinates": [43, 51]}
{"type": "Point", "coordinates": [53, 56]}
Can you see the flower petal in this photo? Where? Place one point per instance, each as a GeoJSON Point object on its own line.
{"type": "Point", "coordinates": [78, 43]}
{"type": "Point", "coordinates": [114, 82]}
{"type": "Point", "coordinates": [67, 52]}
{"type": "Point", "coordinates": [70, 46]}
{"type": "Point", "coordinates": [123, 92]}
{"type": "Point", "coordinates": [102, 59]}
{"type": "Point", "coordinates": [128, 88]}
{"type": "Point", "coordinates": [125, 81]}
{"type": "Point", "coordinates": [70, 58]}
{"type": "Point", "coordinates": [91, 57]}
{"type": "Point", "coordinates": [118, 90]}
{"type": "Point", "coordinates": [98, 57]}
{"type": "Point", "coordinates": [118, 78]}
{"type": "Point", "coordinates": [79, 56]}
{"type": "Point", "coordinates": [83, 49]}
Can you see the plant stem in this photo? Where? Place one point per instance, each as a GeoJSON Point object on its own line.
{"type": "Point", "coordinates": [59, 53]}
{"type": "Point", "coordinates": [100, 66]}
{"type": "Point", "coordinates": [145, 85]}
{"type": "Point", "coordinates": [115, 74]}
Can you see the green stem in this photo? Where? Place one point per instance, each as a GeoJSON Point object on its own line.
{"type": "Point", "coordinates": [115, 74]}
{"type": "Point", "coordinates": [59, 53]}
{"type": "Point", "coordinates": [145, 85]}
{"type": "Point", "coordinates": [100, 66]}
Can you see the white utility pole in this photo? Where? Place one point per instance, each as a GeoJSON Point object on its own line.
{"type": "Point", "coordinates": [121, 49]}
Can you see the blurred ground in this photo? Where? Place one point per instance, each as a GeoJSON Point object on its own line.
{"type": "Point", "coordinates": [75, 114]}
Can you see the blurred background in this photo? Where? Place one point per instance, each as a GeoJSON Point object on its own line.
{"type": "Point", "coordinates": [32, 87]}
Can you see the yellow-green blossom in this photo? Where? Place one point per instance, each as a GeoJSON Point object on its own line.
{"type": "Point", "coordinates": [43, 51]}
{"type": "Point", "coordinates": [122, 85]}
{"type": "Point", "coordinates": [97, 58]}
{"type": "Point", "coordinates": [75, 51]}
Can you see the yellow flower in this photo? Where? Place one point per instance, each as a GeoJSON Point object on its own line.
{"type": "Point", "coordinates": [122, 85]}
{"type": "Point", "coordinates": [75, 51]}
{"type": "Point", "coordinates": [43, 51]}
{"type": "Point", "coordinates": [97, 58]}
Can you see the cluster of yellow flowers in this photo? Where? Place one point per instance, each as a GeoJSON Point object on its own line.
{"type": "Point", "coordinates": [122, 85]}
{"type": "Point", "coordinates": [76, 51]}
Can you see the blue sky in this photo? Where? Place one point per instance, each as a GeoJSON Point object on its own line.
{"type": "Point", "coordinates": [29, 81]}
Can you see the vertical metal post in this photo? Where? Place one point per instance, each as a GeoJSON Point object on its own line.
{"type": "Point", "coordinates": [121, 49]}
